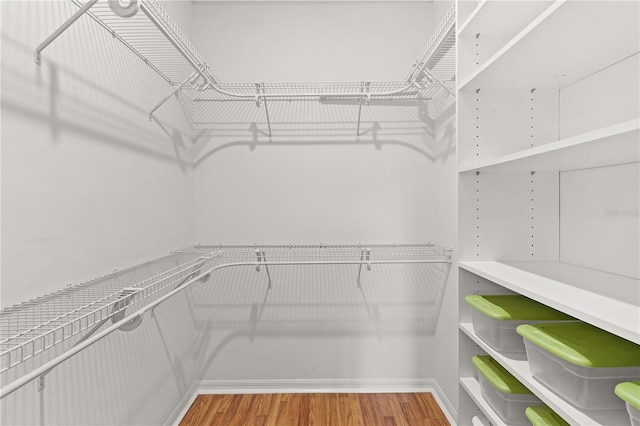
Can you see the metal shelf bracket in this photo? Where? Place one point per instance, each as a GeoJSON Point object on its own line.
{"type": "Point", "coordinates": [37, 54]}
{"type": "Point", "coordinates": [365, 256]}
{"type": "Point", "coordinates": [363, 87]}
{"type": "Point", "coordinates": [262, 258]}
{"type": "Point", "coordinates": [170, 95]}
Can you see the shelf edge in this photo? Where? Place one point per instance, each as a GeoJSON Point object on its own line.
{"type": "Point", "coordinates": [514, 41]}
{"type": "Point", "coordinates": [528, 291]}
{"type": "Point", "coordinates": [471, 17]}
{"type": "Point", "coordinates": [557, 146]}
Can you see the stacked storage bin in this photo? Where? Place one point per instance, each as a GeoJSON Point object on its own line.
{"type": "Point", "coordinates": [580, 362]}
{"type": "Point", "coordinates": [496, 317]}
{"type": "Point", "coordinates": [503, 392]}
{"type": "Point", "coordinates": [541, 415]}
{"type": "Point", "coordinates": [630, 394]}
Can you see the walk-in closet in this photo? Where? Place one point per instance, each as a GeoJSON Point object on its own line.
{"type": "Point", "coordinates": [295, 212]}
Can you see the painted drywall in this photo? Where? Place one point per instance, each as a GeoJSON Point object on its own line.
{"type": "Point", "coordinates": [599, 218]}
{"type": "Point", "coordinates": [445, 174]}
{"type": "Point", "coordinates": [89, 185]}
{"type": "Point", "coordinates": [313, 41]}
{"type": "Point", "coordinates": [315, 181]}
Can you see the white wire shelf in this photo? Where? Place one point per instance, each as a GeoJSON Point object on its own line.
{"type": "Point", "coordinates": [32, 327]}
{"type": "Point", "coordinates": [75, 313]}
{"type": "Point", "coordinates": [155, 38]}
{"type": "Point", "coordinates": [140, 35]}
{"type": "Point", "coordinates": [331, 254]}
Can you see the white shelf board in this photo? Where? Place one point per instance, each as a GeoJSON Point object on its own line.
{"type": "Point", "coordinates": [608, 301]}
{"type": "Point", "coordinates": [572, 414]}
{"type": "Point", "coordinates": [568, 41]}
{"type": "Point", "coordinates": [464, 26]}
{"type": "Point", "coordinates": [512, 17]}
{"type": "Point", "coordinates": [472, 386]}
{"type": "Point", "coordinates": [615, 144]}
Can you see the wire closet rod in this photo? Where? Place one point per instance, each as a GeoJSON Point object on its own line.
{"type": "Point", "coordinates": [48, 366]}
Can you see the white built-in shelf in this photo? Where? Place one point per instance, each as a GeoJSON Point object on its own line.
{"type": "Point", "coordinates": [501, 18]}
{"type": "Point", "coordinates": [608, 301]}
{"type": "Point", "coordinates": [615, 144]}
{"type": "Point", "coordinates": [572, 414]}
{"type": "Point", "coordinates": [472, 386]}
{"type": "Point", "coordinates": [568, 41]}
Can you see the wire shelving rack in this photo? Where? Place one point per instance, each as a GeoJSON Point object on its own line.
{"type": "Point", "coordinates": [75, 315]}
{"type": "Point", "coordinates": [32, 327]}
{"type": "Point", "coordinates": [157, 40]}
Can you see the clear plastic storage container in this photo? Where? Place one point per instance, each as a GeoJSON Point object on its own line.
{"type": "Point", "coordinates": [495, 318]}
{"type": "Point", "coordinates": [541, 415]}
{"type": "Point", "coordinates": [630, 394]}
{"type": "Point", "coordinates": [504, 393]}
{"type": "Point", "coordinates": [580, 362]}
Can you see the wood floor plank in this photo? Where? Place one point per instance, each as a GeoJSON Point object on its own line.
{"type": "Point", "coordinates": [316, 409]}
{"type": "Point", "coordinates": [198, 409]}
{"type": "Point", "coordinates": [303, 409]}
{"type": "Point", "coordinates": [394, 402]}
{"type": "Point", "coordinates": [232, 409]}
{"type": "Point", "coordinates": [370, 410]}
{"type": "Point", "coordinates": [274, 409]}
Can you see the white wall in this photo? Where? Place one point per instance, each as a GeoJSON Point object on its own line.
{"type": "Point", "coordinates": [314, 181]}
{"type": "Point", "coordinates": [78, 122]}
{"type": "Point", "coordinates": [89, 185]}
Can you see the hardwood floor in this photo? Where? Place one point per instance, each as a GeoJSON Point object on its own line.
{"type": "Point", "coordinates": [316, 409]}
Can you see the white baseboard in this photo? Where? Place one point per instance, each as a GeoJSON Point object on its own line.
{"type": "Point", "coordinates": [183, 406]}
{"type": "Point", "coordinates": [312, 386]}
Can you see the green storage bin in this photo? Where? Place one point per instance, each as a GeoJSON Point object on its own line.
{"type": "Point", "coordinates": [541, 415]}
{"type": "Point", "coordinates": [629, 392]}
{"type": "Point", "coordinates": [504, 393]}
{"type": "Point", "coordinates": [580, 362]}
{"type": "Point", "coordinates": [495, 318]}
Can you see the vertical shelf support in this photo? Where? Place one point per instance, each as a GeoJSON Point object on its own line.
{"type": "Point", "coordinates": [262, 258]}
{"type": "Point", "coordinates": [260, 90]}
{"type": "Point", "coordinates": [365, 256]}
{"type": "Point", "coordinates": [363, 86]}
{"type": "Point", "coordinates": [37, 54]}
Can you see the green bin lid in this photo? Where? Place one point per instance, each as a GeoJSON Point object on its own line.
{"type": "Point", "coordinates": [500, 378]}
{"type": "Point", "coordinates": [629, 392]}
{"type": "Point", "coordinates": [582, 344]}
{"type": "Point", "coordinates": [514, 307]}
{"type": "Point", "coordinates": [541, 415]}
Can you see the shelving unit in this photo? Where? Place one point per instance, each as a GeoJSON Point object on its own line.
{"type": "Point", "coordinates": [549, 166]}
{"type": "Point", "coordinates": [584, 47]}
{"type": "Point", "coordinates": [520, 369]}
{"type": "Point", "coordinates": [573, 289]}
{"type": "Point", "coordinates": [74, 313]}
{"type": "Point", "coordinates": [155, 38]}
{"type": "Point", "coordinates": [481, 39]}
{"type": "Point", "coordinates": [615, 144]}
{"type": "Point", "coordinates": [79, 315]}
